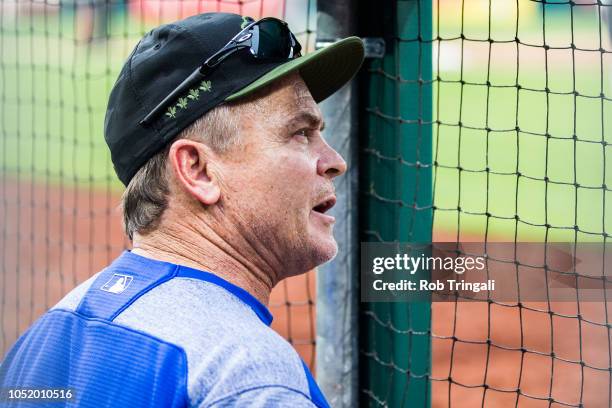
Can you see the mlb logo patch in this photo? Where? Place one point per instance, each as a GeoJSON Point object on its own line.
{"type": "Point", "coordinates": [118, 283]}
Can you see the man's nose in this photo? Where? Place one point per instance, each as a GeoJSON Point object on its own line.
{"type": "Point", "coordinates": [330, 164]}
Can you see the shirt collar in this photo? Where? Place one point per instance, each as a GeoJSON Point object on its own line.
{"type": "Point", "coordinates": [186, 272]}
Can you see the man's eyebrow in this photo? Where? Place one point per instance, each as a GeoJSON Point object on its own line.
{"type": "Point", "coordinates": [308, 117]}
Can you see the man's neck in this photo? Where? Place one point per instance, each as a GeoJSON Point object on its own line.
{"type": "Point", "coordinates": [195, 251]}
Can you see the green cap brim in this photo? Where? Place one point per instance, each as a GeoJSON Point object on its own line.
{"type": "Point", "coordinates": [324, 71]}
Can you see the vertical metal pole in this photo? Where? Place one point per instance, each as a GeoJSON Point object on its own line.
{"type": "Point", "coordinates": [337, 290]}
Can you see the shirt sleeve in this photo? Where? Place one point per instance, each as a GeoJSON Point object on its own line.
{"type": "Point", "coordinates": [264, 397]}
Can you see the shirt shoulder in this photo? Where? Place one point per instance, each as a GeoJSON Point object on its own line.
{"type": "Point", "coordinates": [229, 349]}
{"type": "Point", "coordinates": [73, 298]}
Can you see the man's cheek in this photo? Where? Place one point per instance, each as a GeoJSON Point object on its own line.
{"type": "Point", "coordinates": [295, 163]}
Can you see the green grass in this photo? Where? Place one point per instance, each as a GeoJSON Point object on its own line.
{"type": "Point", "coordinates": [54, 91]}
{"type": "Point", "coordinates": [502, 107]}
{"type": "Point", "coordinates": [560, 158]}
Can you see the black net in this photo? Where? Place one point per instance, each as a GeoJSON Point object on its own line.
{"type": "Point", "coordinates": [515, 150]}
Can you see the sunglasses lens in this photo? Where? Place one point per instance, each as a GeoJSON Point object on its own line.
{"type": "Point", "coordinates": [273, 40]}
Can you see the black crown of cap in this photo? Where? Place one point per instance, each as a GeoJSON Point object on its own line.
{"type": "Point", "coordinates": [162, 59]}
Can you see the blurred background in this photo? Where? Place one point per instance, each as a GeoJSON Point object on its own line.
{"type": "Point", "coordinates": [482, 121]}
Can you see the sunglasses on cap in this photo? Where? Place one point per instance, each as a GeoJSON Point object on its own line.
{"type": "Point", "coordinates": [268, 39]}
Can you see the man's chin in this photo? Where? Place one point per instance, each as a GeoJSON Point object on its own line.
{"type": "Point", "coordinates": [317, 248]}
{"type": "Point", "coordinates": [324, 250]}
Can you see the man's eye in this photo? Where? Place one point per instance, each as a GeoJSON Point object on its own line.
{"type": "Point", "coordinates": [302, 135]}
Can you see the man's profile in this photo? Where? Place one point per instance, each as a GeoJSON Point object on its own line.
{"type": "Point", "coordinates": [214, 128]}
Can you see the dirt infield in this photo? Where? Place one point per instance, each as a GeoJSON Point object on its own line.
{"type": "Point", "coordinates": [52, 238]}
{"type": "Point", "coordinates": [510, 350]}
{"type": "Point", "coordinates": [528, 354]}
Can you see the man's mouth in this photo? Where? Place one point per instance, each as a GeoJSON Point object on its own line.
{"type": "Point", "coordinates": [325, 205]}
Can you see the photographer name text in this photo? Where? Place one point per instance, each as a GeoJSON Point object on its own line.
{"type": "Point", "coordinates": [438, 285]}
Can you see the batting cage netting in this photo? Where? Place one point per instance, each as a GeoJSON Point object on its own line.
{"type": "Point", "coordinates": [486, 122]}
{"type": "Point", "coordinates": [59, 194]}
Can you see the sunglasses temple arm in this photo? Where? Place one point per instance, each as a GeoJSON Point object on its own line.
{"type": "Point", "coordinates": [195, 78]}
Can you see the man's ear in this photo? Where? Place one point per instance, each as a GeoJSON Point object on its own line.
{"type": "Point", "coordinates": [190, 164]}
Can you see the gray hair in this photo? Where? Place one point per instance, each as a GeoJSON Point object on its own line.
{"type": "Point", "coordinates": [146, 196]}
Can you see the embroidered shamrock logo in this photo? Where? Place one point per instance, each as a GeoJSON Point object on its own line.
{"type": "Point", "coordinates": [182, 103]}
{"type": "Point", "coordinates": [194, 94]}
{"type": "Point", "coordinates": [206, 86]}
{"type": "Point", "coordinates": [171, 112]}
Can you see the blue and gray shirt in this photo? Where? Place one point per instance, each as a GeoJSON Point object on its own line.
{"type": "Point", "coordinates": [144, 333]}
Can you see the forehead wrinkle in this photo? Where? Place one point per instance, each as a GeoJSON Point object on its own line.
{"type": "Point", "coordinates": [307, 110]}
{"type": "Point", "coordinates": [301, 92]}
{"type": "Point", "coordinates": [286, 102]}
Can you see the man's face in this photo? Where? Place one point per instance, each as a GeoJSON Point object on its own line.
{"type": "Point", "coordinates": [276, 188]}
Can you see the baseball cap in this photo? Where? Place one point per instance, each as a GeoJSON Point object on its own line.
{"type": "Point", "coordinates": [168, 54]}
